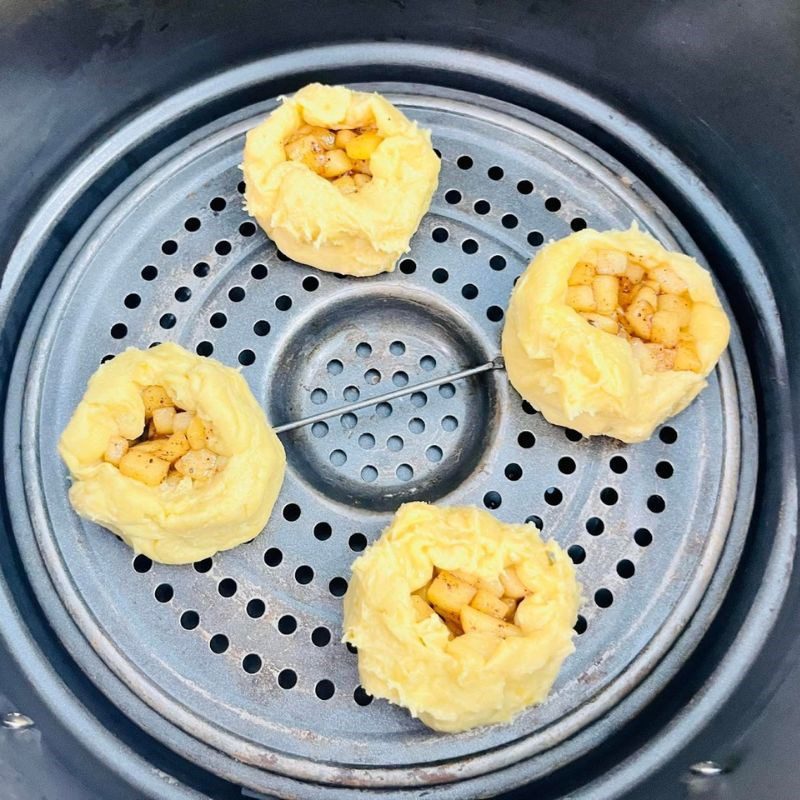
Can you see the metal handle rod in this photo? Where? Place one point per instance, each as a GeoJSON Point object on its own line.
{"type": "Point", "coordinates": [496, 363]}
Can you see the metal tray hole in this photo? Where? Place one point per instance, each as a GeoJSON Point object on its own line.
{"type": "Point", "coordinates": [322, 531]}
{"type": "Point", "coordinates": [287, 679]}
{"type": "Point", "coordinates": [668, 435]}
{"type": "Point", "coordinates": [236, 294]}
{"type": "Point", "coordinates": [656, 503]}
{"type": "Point", "coordinates": [190, 620]}
{"type": "Point", "coordinates": [362, 697]}
{"type": "Point", "coordinates": [350, 420]}
{"type": "Point", "coordinates": [200, 270]}
{"type": "Point", "coordinates": [287, 625]}
{"type": "Point", "coordinates": [247, 229]}
{"type": "Point", "coordinates": [204, 348]}
{"type": "Point", "coordinates": [192, 224]}
{"type": "Point", "coordinates": [218, 204]}
{"type": "Point", "coordinates": [664, 470]}
{"type": "Point", "coordinates": [259, 272]}
{"type": "Point", "coordinates": [338, 587]}
{"type": "Point", "coordinates": [204, 565]}
{"type": "Point", "coordinates": [595, 526]}
{"type": "Point", "coordinates": [319, 430]}
{"type": "Point", "coordinates": [246, 357]}
{"type": "Point", "coordinates": [273, 557]}
{"type": "Point", "coordinates": [509, 221]}
{"type": "Point", "coordinates": [494, 313]}
{"type": "Point", "coordinates": [404, 472]}
{"type": "Point", "coordinates": [164, 593]}
{"type": "Point", "coordinates": [357, 542]}
{"type": "Point", "coordinates": [372, 377]}
{"type": "Point", "coordinates": [643, 537]}
{"type": "Point", "coordinates": [369, 474]}
{"type": "Point", "coordinates": [395, 443]}
{"type": "Point", "coordinates": [427, 363]}
{"type": "Point", "coordinates": [142, 564]}
{"type": "Point", "coordinates": [603, 598]}
{"type": "Point", "coordinates": [513, 472]}
{"type": "Point", "coordinates": [576, 553]}
{"type": "Point", "coordinates": [492, 500]}
{"type": "Point", "coordinates": [251, 663]}
{"type": "Point", "coordinates": [497, 263]}
{"type": "Point", "coordinates": [580, 625]}
{"type": "Point", "coordinates": [320, 637]}
{"type": "Point", "coordinates": [626, 569]}
{"type": "Point", "coordinates": [132, 300]}
{"type": "Point", "coordinates": [218, 643]}
{"type": "Point", "coordinates": [408, 266]}
{"type": "Point", "coordinates": [324, 689]}
{"type": "Point", "coordinates": [535, 239]}
{"type": "Point", "coordinates": [169, 247]}
{"type": "Point", "coordinates": [552, 204]}
{"type": "Point", "coordinates": [452, 196]}
{"type": "Point", "coordinates": [618, 465]}
{"type": "Point", "coordinates": [227, 587]}
{"type": "Point", "coordinates": [119, 330]}
{"type": "Point", "coordinates": [291, 512]}
{"type": "Point", "coordinates": [553, 496]}
{"type": "Point", "coordinates": [566, 465]}
{"type": "Point", "coordinates": [449, 423]}
{"type": "Point", "coordinates": [255, 608]}
{"type": "Point", "coordinates": [304, 574]}
{"type": "Point", "coordinates": [434, 454]}
{"type": "Point", "coordinates": [525, 187]}
{"type": "Point", "coordinates": [609, 496]}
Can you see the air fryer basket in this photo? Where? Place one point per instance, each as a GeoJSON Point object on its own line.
{"type": "Point", "coordinates": [236, 663]}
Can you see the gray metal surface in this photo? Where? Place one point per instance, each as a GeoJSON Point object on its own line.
{"type": "Point", "coordinates": [644, 570]}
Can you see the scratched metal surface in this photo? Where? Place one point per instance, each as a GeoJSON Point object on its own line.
{"type": "Point", "coordinates": [242, 651]}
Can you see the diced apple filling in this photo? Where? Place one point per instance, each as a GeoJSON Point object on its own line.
{"type": "Point", "coordinates": [341, 156]}
{"type": "Point", "coordinates": [645, 303]}
{"type": "Point", "coordinates": [174, 445]}
{"type": "Point", "coordinates": [467, 604]}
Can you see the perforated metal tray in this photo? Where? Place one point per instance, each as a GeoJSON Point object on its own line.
{"type": "Point", "coordinates": [237, 661]}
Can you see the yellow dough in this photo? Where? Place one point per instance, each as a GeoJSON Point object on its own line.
{"type": "Point", "coordinates": [307, 217]}
{"type": "Point", "coordinates": [476, 678]}
{"type": "Point", "coordinates": [184, 521]}
{"type": "Point", "coordinates": [591, 380]}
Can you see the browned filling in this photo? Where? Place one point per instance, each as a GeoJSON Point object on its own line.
{"type": "Point", "coordinates": [174, 444]}
{"type": "Point", "coordinates": [467, 604]}
{"type": "Point", "coordinates": [341, 156]}
{"type": "Point", "coordinates": [646, 304]}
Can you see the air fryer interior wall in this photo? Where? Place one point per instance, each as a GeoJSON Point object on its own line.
{"type": "Point", "coordinates": [663, 725]}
